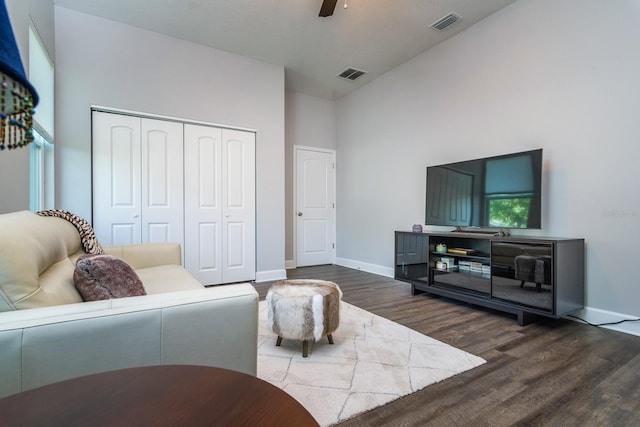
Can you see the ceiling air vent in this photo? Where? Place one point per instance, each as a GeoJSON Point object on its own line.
{"type": "Point", "coordinates": [351, 74]}
{"type": "Point", "coordinates": [445, 21]}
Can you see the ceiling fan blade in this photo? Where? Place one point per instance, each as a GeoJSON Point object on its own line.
{"type": "Point", "coordinates": [328, 6]}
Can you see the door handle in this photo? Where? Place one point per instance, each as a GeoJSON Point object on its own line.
{"type": "Point", "coordinates": [299, 213]}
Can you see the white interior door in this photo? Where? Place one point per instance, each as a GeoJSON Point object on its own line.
{"type": "Point", "coordinates": [162, 182]}
{"type": "Point", "coordinates": [239, 206]}
{"type": "Point", "coordinates": [116, 178]}
{"type": "Point", "coordinates": [203, 202]}
{"type": "Point", "coordinates": [315, 206]}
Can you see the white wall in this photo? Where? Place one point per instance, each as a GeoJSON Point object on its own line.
{"type": "Point", "coordinates": [310, 121]}
{"type": "Point", "coordinates": [557, 74]}
{"type": "Point", "coordinates": [101, 62]}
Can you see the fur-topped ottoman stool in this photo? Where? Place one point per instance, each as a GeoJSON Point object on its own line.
{"type": "Point", "coordinates": [303, 310]}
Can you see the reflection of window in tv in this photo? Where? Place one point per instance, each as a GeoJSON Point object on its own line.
{"type": "Point", "coordinates": [509, 212]}
{"type": "Point", "coordinates": [519, 170]}
{"type": "Point", "coordinates": [509, 200]}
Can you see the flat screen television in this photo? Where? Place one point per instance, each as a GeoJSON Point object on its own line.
{"type": "Point", "coordinates": [494, 192]}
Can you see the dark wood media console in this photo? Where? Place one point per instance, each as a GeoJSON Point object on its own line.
{"type": "Point", "coordinates": [525, 276]}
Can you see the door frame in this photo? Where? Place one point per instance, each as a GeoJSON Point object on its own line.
{"type": "Point", "coordinates": [297, 148]}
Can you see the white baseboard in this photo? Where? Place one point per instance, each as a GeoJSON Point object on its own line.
{"type": "Point", "coordinates": [266, 276]}
{"type": "Point", "coordinates": [290, 264]}
{"type": "Point", "coordinates": [369, 268]}
{"type": "Point", "coordinates": [597, 316]}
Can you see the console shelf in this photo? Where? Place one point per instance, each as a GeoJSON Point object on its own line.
{"type": "Point", "coordinates": [525, 276]}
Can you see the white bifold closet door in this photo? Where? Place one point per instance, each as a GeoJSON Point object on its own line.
{"type": "Point", "coordinates": [167, 181]}
{"type": "Point", "coordinates": [219, 204]}
{"type": "Point", "coordinates": [137, 180]}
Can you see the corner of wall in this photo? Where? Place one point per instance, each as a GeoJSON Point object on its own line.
{"type": "Point", "coordinates": [607, 319]}
{"type": "Point", "coordinates": [267, 276]}
{"type": "Point", "coordinates": [369, 268]}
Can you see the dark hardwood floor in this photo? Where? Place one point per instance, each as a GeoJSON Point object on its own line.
{"type": "Point", "coordinates": [549, 373]}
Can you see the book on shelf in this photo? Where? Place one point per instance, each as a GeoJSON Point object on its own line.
{"type": "Point", "coordinates": [461, 251]}
{"type": "Point", "coordinates": [476, 266]}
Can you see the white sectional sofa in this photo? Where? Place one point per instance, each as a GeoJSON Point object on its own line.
{"type": "Point", "coordinates": [48, 334]}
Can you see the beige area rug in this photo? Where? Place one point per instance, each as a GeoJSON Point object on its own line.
{"type": "Point", "coordinates": [372, 362]}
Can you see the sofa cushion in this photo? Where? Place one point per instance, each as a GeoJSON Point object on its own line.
{"type": "Point", "coordinates": [37, 258]}
{"type": "Point", "coordinates": [167, 278]}
{"type": "Point", "coordinates": [99, 277]}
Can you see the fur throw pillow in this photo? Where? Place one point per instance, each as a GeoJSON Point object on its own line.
{"type": "Point", "coordinates": [99, 277]}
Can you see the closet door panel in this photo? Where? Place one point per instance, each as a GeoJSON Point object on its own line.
{"type": "Point", "coordinates": [121, 234]}
{"type": "Point", "coordinates": [158, 233]}
{"type": "Point", "coordinates": [124, 169]}
{"type": "Point", "coordinates": [162, 181]}
{"type": "Point", "coordinates": [235, 245]}
{"type": "Point", "coordinates": [238, 176]}
{"type": "Point", "coordinates": [208, 254]}
{"type": "Point", "coordinates": [116, 178]}
{"type": "Point", "coordinates": [203, 203]}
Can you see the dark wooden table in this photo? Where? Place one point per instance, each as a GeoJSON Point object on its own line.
{"type": "Point", "coordinates": [168, 395]}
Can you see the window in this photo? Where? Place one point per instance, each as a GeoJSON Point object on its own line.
{"type": "Point", "coordinates": [40, 152]}
{"type": "Point", "coordinates": [41, 76]}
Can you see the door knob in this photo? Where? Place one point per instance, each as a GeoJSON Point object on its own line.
{"type": "Point", "coordinates": [299, 213]}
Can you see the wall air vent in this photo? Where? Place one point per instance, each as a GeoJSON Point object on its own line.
{"type": "Point", "coordinates": [351, 74]}
{"type": "Point", "coordinates": [445, 21]}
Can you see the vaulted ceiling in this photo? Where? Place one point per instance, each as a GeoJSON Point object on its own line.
{"type": "Point", "coordinates": [369, 35]}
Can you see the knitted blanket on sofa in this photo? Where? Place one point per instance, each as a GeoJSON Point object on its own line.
{"type": "Point", "coordinates": [87, 236]}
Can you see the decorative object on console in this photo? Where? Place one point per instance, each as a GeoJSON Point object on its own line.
{"type": "Point", "coordinates": [17, 96]}
{"type": "Point", "coordinates": [441, 265]}
{"type": "Point", "coordinates": [441, 248]}
{"type": "Point", "coordinates": [417, 228]}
